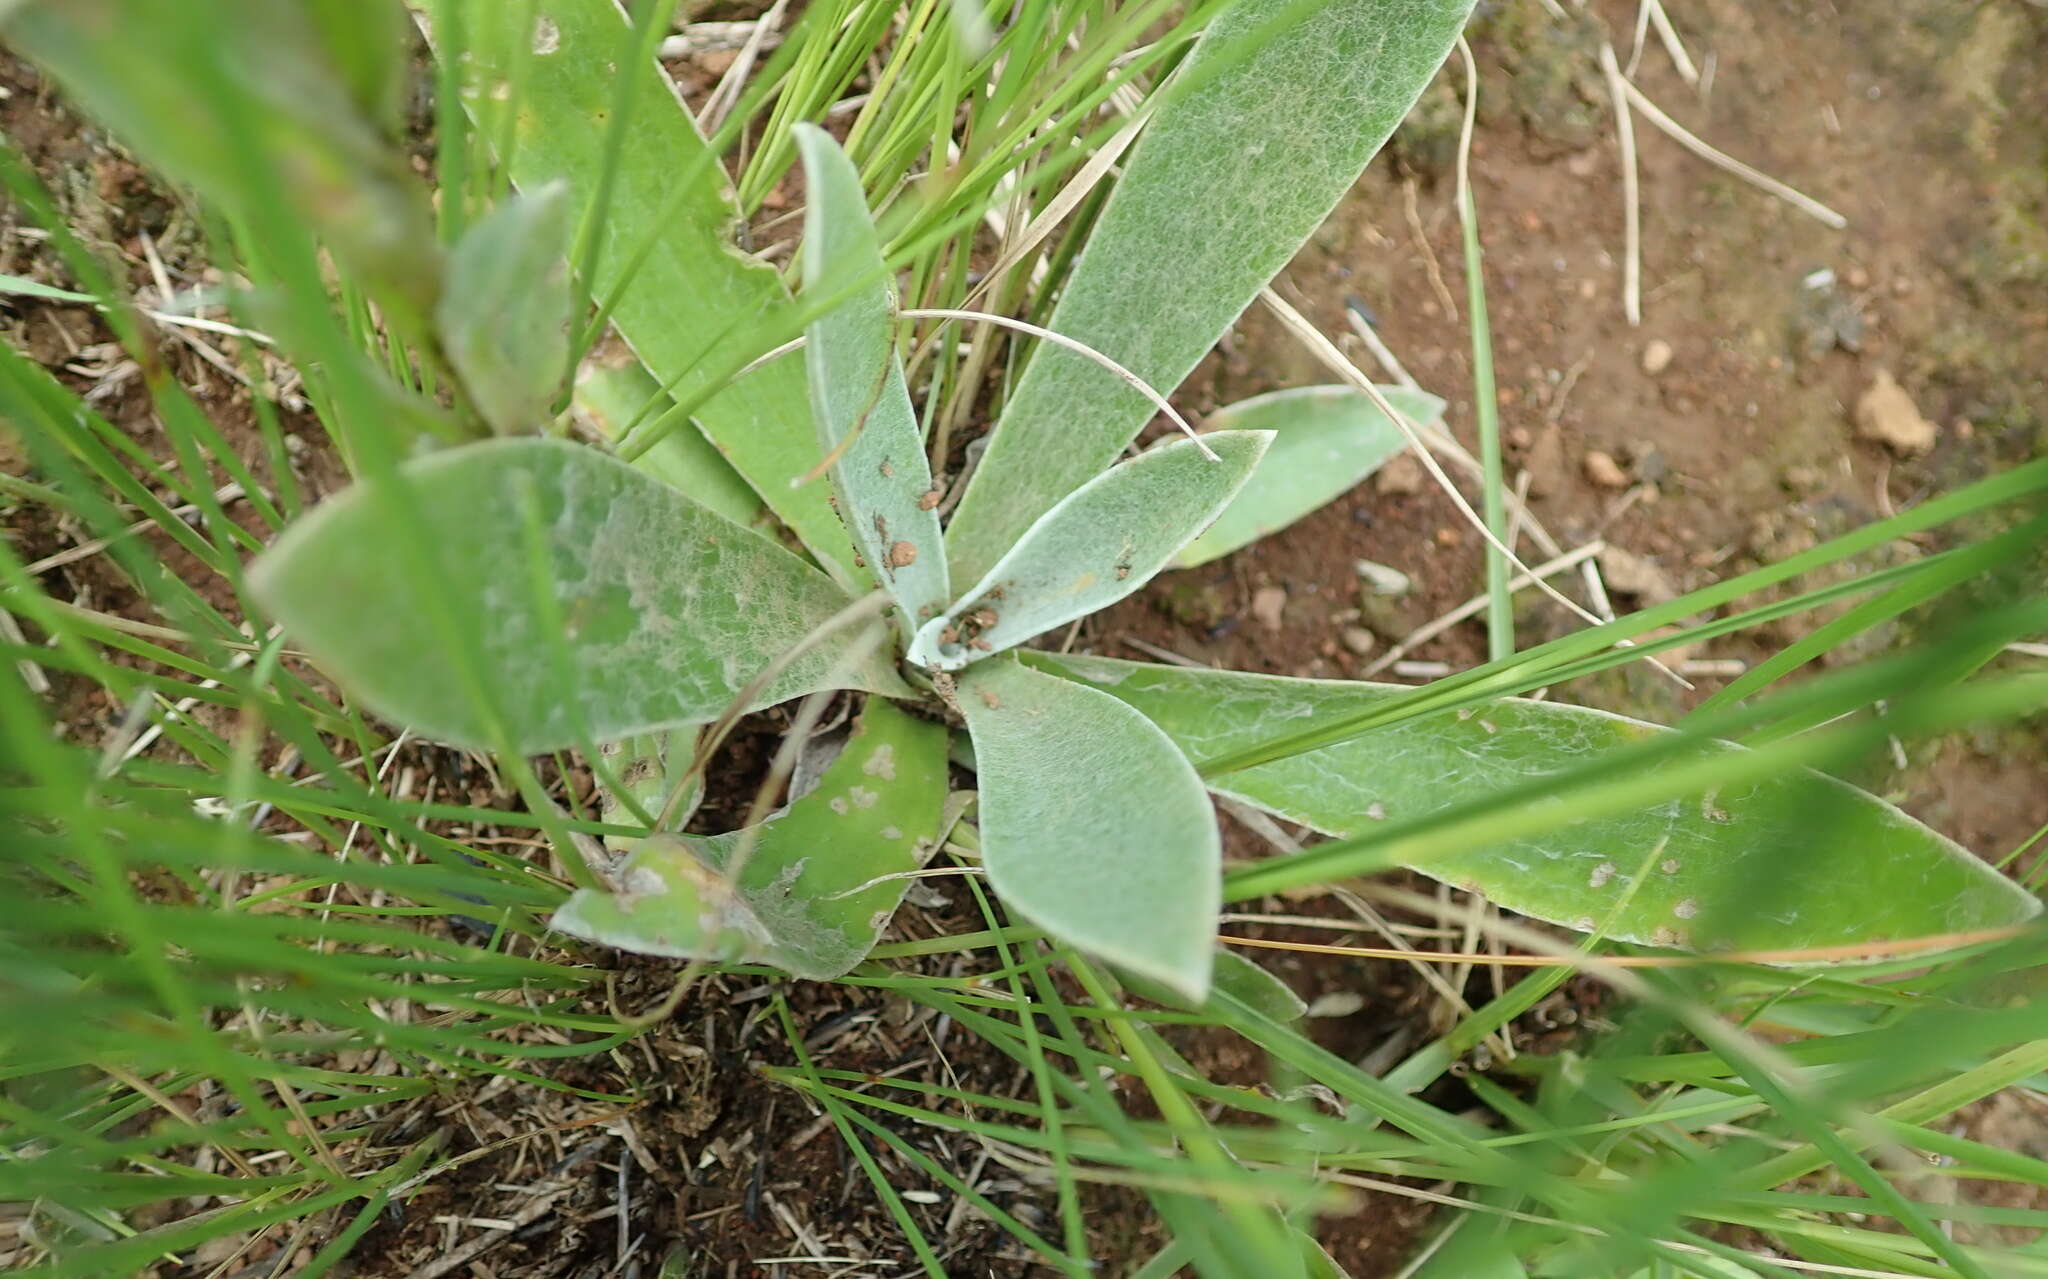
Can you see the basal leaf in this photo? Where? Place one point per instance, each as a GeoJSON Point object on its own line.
{"type": "Point", "coordinates": [1325, 440]}
{"type": "Point", "coordinates": [613, 387]}
{"type": "Point", "coordinates": [670, 904]}
{"type": "Point", "coordinates": [1279, 108]}
{"type": "Point", "coordinates": [806, 900]}
{"type": "Point", "coordinates": [694, 291]}
{"type": "Point", "coordinates": [1800, 861]}
{"type": "Point", "coordinates": [858, 399]}
{"type": "Point", "coordinates": [1093, 824]}
{"type": "Point", "coordinates": [1237, 977]}
{"type": "Point", "coordinates": [1105, 540]}
{"type": "Point", "coordinates": [504, 314]}
{"type": "Point", "coordinates": [595, 598]}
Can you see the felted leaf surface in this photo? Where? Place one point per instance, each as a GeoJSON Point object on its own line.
{"type": "Point", "coordinates": [1093, 825]}
{"type": "Point", "coordinates": [1105, 540]}
{"type": "Point", "coordinates": [613, 386]}
{"type": "Point", "coordinates": [593, 597]}
{"type": "Point", "coordinates": [1799, 861]}
{"type": "Point", "coordinates": [694, 291]}
{"type": "Point", "coordinates": [875, 812]}
{"type": "Point", "coordinates": [1226, 183]}
{"type": "Point", "coordinates": [1325, 440]}
{"type": "Point", "coordinates": [504, 314]}
{"type": "Point", "coordinates": [884, 482]}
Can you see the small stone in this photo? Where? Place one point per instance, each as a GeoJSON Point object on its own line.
{"type": "Point", "coordinates": [1638, 575]}
{"type": "Point", "coordinates": [902, 555]}
{"type": "Point", "coordinates": [1401, 476]}
{"type": "Point", "coordinates": [1359, 640]}
{"type": "Point", "coordinates": [1804, 480]}
{"type": "Point", "coordinates": [1268, 603]}
{"type": "Point", "coordinates": [1657, 355]}
{"type": "Point", "coordinates": [1382, 579]}
{"type": "Point", "coordinates": [1604, 471]}
{"type": "Point", "coordinates": [1886, 414]}
{"type": "Point", "coordinates": [1337, 1003]}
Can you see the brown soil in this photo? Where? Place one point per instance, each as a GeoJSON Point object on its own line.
{"type": "Point", "coordinates": [1924, 123]}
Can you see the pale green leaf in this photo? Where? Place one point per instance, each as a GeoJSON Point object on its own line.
{"type": "Point", "coordinates": [1325, 440]}
{"type": "Point", "coordinates": [597, 600]}
{"type": "Point", "coordinates": [613, 387]}
{"type": "Point", "coordinates": [1103, 541]}
{"type": "Point", "coordinates": [806, 897]}
{"type": "Point", "coordinates": [504, 313]}
{"type": "Point", "coordinates": [1239, 978]}
{"type": "Point", "coordinates": [1284, 104]}
{"type": "Point", "coordinates": [694, 291]}
{"type": "Point", "coordinates": [1796, 862]}
{"type": "Point", "coordinates": [858, 400]}
{"type": "Point", "coordinates": [1093, 825]}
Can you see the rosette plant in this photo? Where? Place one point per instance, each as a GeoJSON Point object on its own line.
{"type": "Point", "coordinates": [771, 539]}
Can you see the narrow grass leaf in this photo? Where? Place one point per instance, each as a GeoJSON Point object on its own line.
{"type": "Point", "coordinates": [1800, 860]}
{"type": "Point", "coordinates": [662, 611]}
{"type": "Point", "coordinates": [858, 399]}
{"type": "Point", "coordinates": [241, 99]}
{"type": "Point", "coordinates": [1225, 184]}
{"type": "Point", "coordinates": [1093, 825]}
{"type": "Point", "coordinates": [1099, 544]}
{"type": "Point", "coordinates": [808, 890]}
{"type": "Point", "coordinates": [504, 316]}
{"type": "Point", "coordinates": [1326, 439]}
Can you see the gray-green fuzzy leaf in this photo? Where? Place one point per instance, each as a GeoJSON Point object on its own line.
{"type": "Point", "coordinates": [1800, 861]}
{"type": "Point", "coordinates": [1093, 825]}
{"type": "Point", "coordinates": [885, 484]}
{"type": "Point", "coordinates": [798, 901]}
{"type": "Point", "coordinates": [1227, 182]}
{"type": "Point", "coordinates": [504, 312]}
{"type": "Point", "coordinates": [1325, 440]}
{"type": "Point", "coordinates": [613, 387]}
{"type": "Point", "coordinates": [1105, 540]}
{"type": "Point", "coordinates": [695, 291]}
{"type": "Point", "coordinates": [589, 597]}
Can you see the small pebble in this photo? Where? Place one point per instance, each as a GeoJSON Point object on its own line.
{"type": "Point", "coordinates": [1657, 355]}
{"type": "Point", "coordinates": [1383, 579]}
{"type": "Point", "coordinates": [1268, 603]}
{"type": "Point", "coordinates": [1604, 471]}
{"type": "Point", "coordinates": [1360, 640]}
{"type": "Point", "coordinates": [1886, 414]}
{"type": "Point", "coordinates": [1401, 476]}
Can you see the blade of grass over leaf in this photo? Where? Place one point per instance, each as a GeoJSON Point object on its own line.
{"type": "Point", "coordinates": [1093, 825]}
{"type": "Point", "coordinates": [1099, 544]}
{"type": "Point", "coordinates": [1741, 868]}
{"type": "Point", "coordinates": [1326, 439]}
{"type": "Point", "coordinates": [614, 390]}
{"type": "Point", "coordinates": [858, 399]}
{"type": "Point", "coordinates": [694, 287]}
{"type": "Point", "coordinates": [1221, 189]}
{"type": "Point", "coordinates": [633, 567]}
